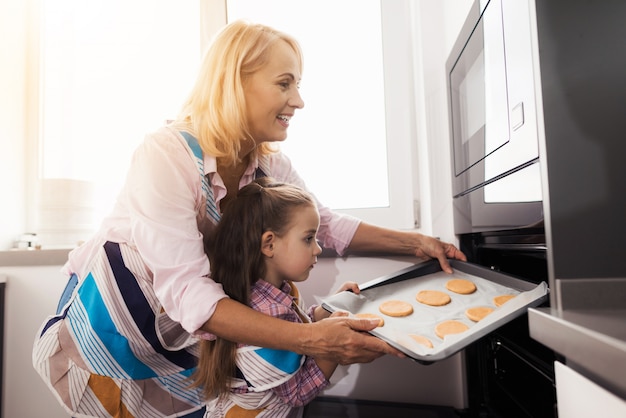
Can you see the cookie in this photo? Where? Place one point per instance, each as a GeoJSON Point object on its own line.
{"type": "Point", "coordinates": [502, 299]}
{"type": "Point", "coordinates": [420, 339]}
{"type": "Point", "coordinates": [371, 316]}
{"type": "Point", "coordinates": [433, 297]}
{"type": "Point", "coordinates": [478, 312]}
{"type": "Point", "coordinates": [396, 308]}
{"type": "Point", "coordinates": [450, 327]}
{"type": "Point", "coordinates": [461, 286]}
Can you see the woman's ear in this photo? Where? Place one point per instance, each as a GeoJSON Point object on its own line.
{"type": "Point", "coordinates": [267, 243]}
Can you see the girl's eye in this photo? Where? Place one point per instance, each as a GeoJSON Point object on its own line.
{"type": "Point", "coordinates": [310, 239]}
{"type": "Point", "coordinates": [284, 85]}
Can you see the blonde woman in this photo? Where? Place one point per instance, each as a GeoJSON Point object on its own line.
{"type": "Point", "coordinates": [139, 294]}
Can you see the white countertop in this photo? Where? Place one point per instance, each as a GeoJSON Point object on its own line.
{"type": "Point", "coordinates": [56, 257]}
{"type": "Point", "coordinates": [592, 340]}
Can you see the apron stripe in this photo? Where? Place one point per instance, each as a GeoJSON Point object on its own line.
{"type": "Point", "coordinates": [108, 343]}
{"type": "Point", "coordinates": [211, 207]}
{"type": "Point", "coordinates": [108, 393]}
{"type": "Point", "coordinates": [140, 309]}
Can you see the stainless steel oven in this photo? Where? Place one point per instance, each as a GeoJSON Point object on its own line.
{"type": "Point", "coordinates": [563, 63]}
{"type": "Point", "coordinates": [509, 374]}
{"type": "Point", "coordinates": [495, 130]}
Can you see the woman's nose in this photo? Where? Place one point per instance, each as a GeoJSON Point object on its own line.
{"type": "Point", "coordinates": [296, 100]}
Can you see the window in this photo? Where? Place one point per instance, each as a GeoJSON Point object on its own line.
{"type": "Point", "coordinates": [351, 141]}
{"type": "Point", "coordinates": [112, 70]}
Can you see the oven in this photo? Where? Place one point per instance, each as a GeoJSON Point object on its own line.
{"type": "Point", "coordinates": [498, 206]}
{"type": "Point", "coordinates": [509, 374]}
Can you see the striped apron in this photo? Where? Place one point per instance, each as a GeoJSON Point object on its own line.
{"type": "Point", "coordinates": [111, 350]}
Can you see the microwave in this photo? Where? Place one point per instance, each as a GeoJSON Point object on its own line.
{"type": "Point", "coordinates": [491, 88]}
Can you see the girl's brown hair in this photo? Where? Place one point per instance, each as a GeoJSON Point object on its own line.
{"type": "Point", "coordinates": [237, 263]}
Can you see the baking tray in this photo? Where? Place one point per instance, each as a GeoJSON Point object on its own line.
{"type": "Point", "coordinates": [406, 283]}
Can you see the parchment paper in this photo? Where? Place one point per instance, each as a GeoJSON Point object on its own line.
{"type": "Point", "coordinates": [424, 317]}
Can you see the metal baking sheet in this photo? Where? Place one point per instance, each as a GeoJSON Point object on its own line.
{"type": "Point", "coordinates": [406, 283]}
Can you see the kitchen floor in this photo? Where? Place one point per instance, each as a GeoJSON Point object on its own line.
{"type": "Point", "coordinates": [346, 408]}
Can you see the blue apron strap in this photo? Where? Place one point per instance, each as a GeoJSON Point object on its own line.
{"type": "Point", "coordinates": [193, 144]}
{"type": "Point", "coordinates": [211, 207]}
{"type": "Point", "coordinates": [261, 171]}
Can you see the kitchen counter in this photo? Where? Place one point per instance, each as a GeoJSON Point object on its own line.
{"type": "Point", "coordinates": [50, 257]}
{"type": "Point", "coordinates": [593, 341]}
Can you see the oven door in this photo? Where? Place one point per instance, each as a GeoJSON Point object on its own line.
{"type": "Point", "coordinates": [478, 92]}
{"type": "Point", "coordinates": [509, 374]}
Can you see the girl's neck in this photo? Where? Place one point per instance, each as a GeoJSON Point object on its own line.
{"type": "Point", "coordinates": [275, 282]}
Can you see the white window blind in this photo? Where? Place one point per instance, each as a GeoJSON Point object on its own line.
{"type": "Point", "coordinates": [111, 71]}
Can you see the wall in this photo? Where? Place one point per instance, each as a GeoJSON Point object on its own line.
{"type": "Point", "coordinates": [12, 118]}
{"type": "Point", "coordinates": [31, 295]}
{"type": "Point", "coordinates": [437, 24]}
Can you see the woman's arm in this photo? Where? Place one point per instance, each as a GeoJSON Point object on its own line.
{"type": "Point", "coordinates": [340, 340]}
{"type": "Point", "coordinates": [372, 238]}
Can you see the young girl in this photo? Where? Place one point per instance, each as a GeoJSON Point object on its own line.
{"type": "Point", "coordinates": [264, 243]}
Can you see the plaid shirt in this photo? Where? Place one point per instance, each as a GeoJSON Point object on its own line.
{"type": "Point", "coordinates": [308, 381]}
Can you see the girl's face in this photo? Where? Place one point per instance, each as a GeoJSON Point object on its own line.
{"type": "Point", "coordinates": [294, 254]}
{"type": "Point", "coordinates": [272, 95]}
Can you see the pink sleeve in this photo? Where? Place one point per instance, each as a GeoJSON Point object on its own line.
{"type": "Point", "coordinates": [164, 197]}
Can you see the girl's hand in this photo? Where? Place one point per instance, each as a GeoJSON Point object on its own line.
{"type": "Point", "coordinates": [351, 286]}
{"type": "Point", "coordinates": [320, 313]}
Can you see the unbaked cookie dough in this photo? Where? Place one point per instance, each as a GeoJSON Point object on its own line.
{"type": "Point", "coordinates": [502, 299]}
{"type": "Point", "coordinates": [420, 339]}
{"type": "Point", "coordinates": [461, 286]}
{"type": "Point", "coordinates": [396, 308]}
{"type": "Point", "coordinates": [450, 327]}
{"type": "Point", "coordinates": [371, 316]}
{"type": "Point", "coordinates": [433, 297]}
{"type": "Point", "coordinates": [478, 312]}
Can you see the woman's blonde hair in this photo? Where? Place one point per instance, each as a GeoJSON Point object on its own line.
{"type": "Point", "coordinates": [215, 111]}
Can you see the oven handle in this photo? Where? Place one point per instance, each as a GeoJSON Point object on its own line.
{"type": "Point", "coordinates": [501, 345]}
{"type": "Point", "coordinates": [515, 247]}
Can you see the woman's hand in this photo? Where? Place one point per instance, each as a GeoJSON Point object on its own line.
{"type": "Point", "coordinates": [345, 340]}
{"type": "Point", "coordinates": [433, 248]}
{"type": "Point", "coordinates": [340, 339]}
